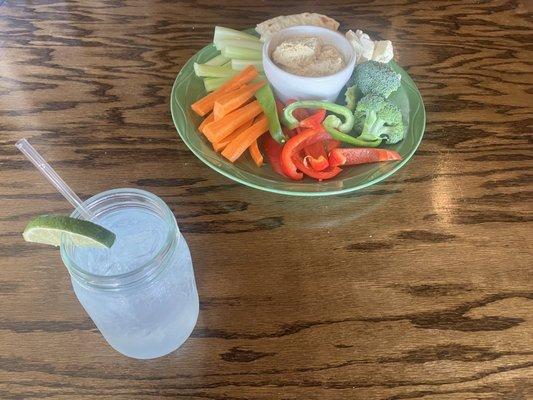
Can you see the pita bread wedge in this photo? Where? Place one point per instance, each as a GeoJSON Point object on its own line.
{"type": "Point", "coordinates": [267, 28]}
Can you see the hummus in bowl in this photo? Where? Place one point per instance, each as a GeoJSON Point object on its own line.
{"type": "Point", "coordinates": [308, 62]}
{"type": "Point", "coordinates": [308, 56]}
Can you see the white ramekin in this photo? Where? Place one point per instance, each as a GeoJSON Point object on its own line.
{"type": "Point", "coordinates": [290, 86]}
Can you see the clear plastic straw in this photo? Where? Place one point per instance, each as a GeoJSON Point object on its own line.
{"type": "Point", "coordinates": [36, 159]}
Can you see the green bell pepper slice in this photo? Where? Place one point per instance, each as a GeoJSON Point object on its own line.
{"type": "Point", "coordinates": [332, 122]}
{"type": "Point", "coordinates": [290, 121]}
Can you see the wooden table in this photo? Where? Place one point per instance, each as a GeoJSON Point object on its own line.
{"type": "Point", "coordinates": [417, 288]}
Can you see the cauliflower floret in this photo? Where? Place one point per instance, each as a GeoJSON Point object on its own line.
{"type": "Point", "coordinates": [366, 49]}
{"type": "Point", "coordinates": [363, 45]}
{"type": "Point", "coordinates": [383, 51]}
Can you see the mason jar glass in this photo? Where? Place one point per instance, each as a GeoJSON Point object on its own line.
{"type": "Point", "coordinates": [140, 293]}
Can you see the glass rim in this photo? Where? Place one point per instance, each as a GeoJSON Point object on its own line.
{"type": "Point", "coordinates": [145, 270]}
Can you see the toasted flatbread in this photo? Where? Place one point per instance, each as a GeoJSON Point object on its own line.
{"type": "Point", "coordinates": [267, 28]}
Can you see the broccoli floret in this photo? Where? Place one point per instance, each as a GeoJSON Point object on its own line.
{"type": "Point", "coordinates": [360, 117]}
{"type": "Point", "coordinates": [376, 77]}
{"type": "Point", "coordinates": [350, 97]}
{"type": "Point", "coordinates": [393, 133]}
{"type": "Point", "coordinates": [378, 119]}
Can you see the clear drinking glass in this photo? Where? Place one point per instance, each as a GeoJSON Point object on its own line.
{"type": "Point", "coordinates": [140, 293]}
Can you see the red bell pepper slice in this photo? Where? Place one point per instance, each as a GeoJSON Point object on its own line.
{"type": "Point", "coordinates": [314, 120]}
{"type": "Point", "coordinates": [321, 136]}
{"type": "Point", "coordinates": [288, 132]}
{"type": "Point", "coordinates": [328, 173]}
{"type": "Point", "coordinates": [316, 150]}
{"type": "Point", "coordinates": [319, 163]}
{"type": "Point", "coordinates": [291, 149]}
{"type": "Point", "coordinates": [273, 151]}
{"type": "Point", "coordinates": [354, 156]}
{"type": "Point", "coordinates": [299, 113]}
{"type": "Point", "coordinates": [332, 144]}
{"type": "Point", "coordinates": [279, 107]}
{"type": "Point", "coordinates": [317, 155]}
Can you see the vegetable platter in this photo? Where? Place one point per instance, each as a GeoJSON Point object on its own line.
{"type": "Point", "coordinates": [234, 118]}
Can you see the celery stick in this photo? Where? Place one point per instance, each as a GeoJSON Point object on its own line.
{"type": "Point", "coordinates": [214, 83]}
{"type": "Point", "coordinates": [227, 33]}
{"type": "Point", "coordinates": [217, 60]}
{"type": "Point", "coordinates": [202, 70]}
{"type": "Point", "coordinates": [239, 65]}
{"type": "Point", "coordinates": [246, 44]}
{"type": "Point", "coordinates": [241, 53]}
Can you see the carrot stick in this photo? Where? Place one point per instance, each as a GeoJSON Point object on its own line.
{"type": "Point", "coordinates": [219, 146]}
{"type": "Point", "coordinates": [238, 145]}
{"type": "Point", "coordinates": [235, 99]}
{"type": "Point", "coordinates": [218, 130]}
{"type": "Point", "coordinates": [210, 118]}
{"type": "Point", "coordinates": [218, 115]}
{"type": "Point", "coordinates": [206, 103]}
{"type": "Point", "coordinates": [256, 153]}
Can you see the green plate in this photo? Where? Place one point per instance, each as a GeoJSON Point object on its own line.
{"type": "Point", "coordinates": [188, 88]}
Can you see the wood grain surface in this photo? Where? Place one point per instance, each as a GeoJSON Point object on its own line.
{"type": "Point", "coordinates": [417, 288]}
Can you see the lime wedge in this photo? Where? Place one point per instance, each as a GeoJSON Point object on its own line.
{"type": "Point", "coordinates": [48, 229]}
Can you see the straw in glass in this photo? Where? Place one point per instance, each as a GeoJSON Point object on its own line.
{"type": "Point", "coordinates": [39, 162]}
